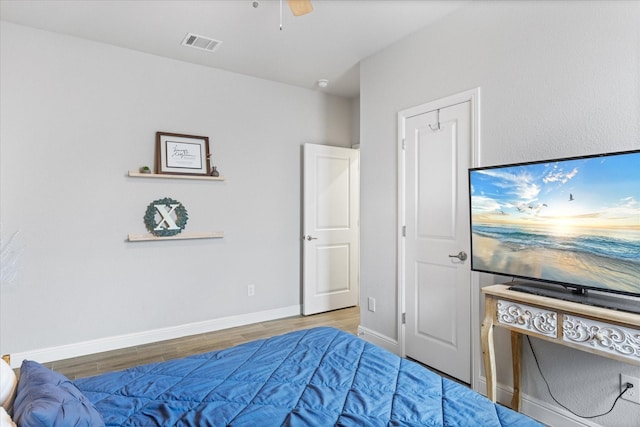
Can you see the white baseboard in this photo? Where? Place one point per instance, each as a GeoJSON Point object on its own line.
{"type": "Point", "coordinates": [537, 409]}
{"type": "Point", "coordinates": [67, 351]}
{"type": "Point", "coordinates": [380, 340]}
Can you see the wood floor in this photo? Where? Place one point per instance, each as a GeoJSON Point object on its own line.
{"type": "Point", "coordinates": [346, 319]}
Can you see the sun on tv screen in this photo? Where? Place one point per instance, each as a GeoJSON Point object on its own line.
{"type": "Point", "coordinates": [574, 221]}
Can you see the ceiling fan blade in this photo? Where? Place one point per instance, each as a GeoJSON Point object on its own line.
{"type": "Point", "coordinates": [300, 7]}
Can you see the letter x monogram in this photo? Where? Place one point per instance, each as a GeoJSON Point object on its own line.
{"type": "Point", "coordinates": [166, 217]}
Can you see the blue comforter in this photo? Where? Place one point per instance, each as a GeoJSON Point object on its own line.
{"type": "Point", "coordinates": [316, 377]}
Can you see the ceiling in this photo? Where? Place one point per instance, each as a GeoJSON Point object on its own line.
{"type": "Point", "coordinates": [328, 43]}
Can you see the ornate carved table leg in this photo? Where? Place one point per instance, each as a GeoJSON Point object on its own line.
{"type": "Point", "coordinates": [488, 353]}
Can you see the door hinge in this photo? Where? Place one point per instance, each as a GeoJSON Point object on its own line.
{"type": "Point", "coordinates": [404, 231]}
{"type": "Point", "coordinates": [404, 144]}
{"type": "Point", "coordinates": [404, 318]}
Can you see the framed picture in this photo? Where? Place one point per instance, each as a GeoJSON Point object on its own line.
{"type": "Point", "coordinates": [182, 154]}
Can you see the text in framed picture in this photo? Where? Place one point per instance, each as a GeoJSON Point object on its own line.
{"type": "Point", "coordinates": [180, 154]}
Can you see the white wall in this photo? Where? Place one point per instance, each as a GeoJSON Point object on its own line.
{"type": "Point", "coordinates": [558, 79]}
{"type": "Point", "coordinates": [75, 117]}
{"type": "Point", "coordinates": [355, 120]}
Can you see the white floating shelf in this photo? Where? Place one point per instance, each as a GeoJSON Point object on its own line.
{"type": "Point", "coordinates": [182, 236]}
{"type": "Point", "coordinates": [135, 174]}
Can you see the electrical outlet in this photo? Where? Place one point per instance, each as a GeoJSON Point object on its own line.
{"type": "Point", "coordinates": [251, 290]}
{"type": "Point", "coordinates": [372, 304]}
{"type": "Point", "coordinates": [632, 394]}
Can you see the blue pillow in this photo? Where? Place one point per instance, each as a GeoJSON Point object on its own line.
{"type": "Point", "coordinates": [46, 398]}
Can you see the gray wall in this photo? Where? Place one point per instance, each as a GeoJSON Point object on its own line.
{"type": "Point", "coordinates": [557, 79]}
{"type": "Point", "coordinates": [76, 116]}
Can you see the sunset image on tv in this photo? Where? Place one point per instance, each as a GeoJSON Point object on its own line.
{"type": "Point", "coordinates": [573, 221]}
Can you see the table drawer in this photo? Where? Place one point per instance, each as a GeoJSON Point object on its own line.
{"type": "Point", "coordinates": [594, 334]}
{"type": "Point", "coordinates": [528, 318]}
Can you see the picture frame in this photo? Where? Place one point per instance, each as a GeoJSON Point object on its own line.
{"type": "Point", "coordinates": [179, 154]}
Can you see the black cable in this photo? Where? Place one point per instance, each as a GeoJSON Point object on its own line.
{"type": "Point", "coordinates": [627, 387]}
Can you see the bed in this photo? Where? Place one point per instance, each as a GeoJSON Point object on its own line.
{"type": "Point", "coordinates": [315, 377]}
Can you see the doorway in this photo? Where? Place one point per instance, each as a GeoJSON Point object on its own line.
{"type": "Point", "coordinates": [438, 145]}
{"type": "Point", "coordinates": [331, 230]}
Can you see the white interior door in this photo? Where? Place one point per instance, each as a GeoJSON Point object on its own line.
{"type": "Point", "coordinates": [437, 274]}
{"type": "Point", "coordinates": [330, 228]}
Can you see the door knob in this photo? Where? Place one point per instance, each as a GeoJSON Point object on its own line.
{"type": "Point", "coordinates": [462, 255]}
{"type": "Point", "coordinates": [311, 238]}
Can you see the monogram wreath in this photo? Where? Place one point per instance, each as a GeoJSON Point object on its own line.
{"type": "Point", "coordinates": [166, 226]}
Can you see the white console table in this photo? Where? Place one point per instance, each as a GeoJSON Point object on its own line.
{"type": "Point", "coordinates": [609, 333]}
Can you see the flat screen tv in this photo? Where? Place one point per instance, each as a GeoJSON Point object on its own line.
{"type": "Point", "coordinates": [565, 226]}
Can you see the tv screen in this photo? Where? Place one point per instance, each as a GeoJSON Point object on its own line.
{"type": "Point", "coordinates": [574, 221]}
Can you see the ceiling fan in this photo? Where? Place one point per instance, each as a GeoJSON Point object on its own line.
{"type": "Point", "coordinates": [298, 8]}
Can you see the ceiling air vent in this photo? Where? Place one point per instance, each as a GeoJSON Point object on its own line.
{"type": "Point", "coordinates": [201, 42]}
